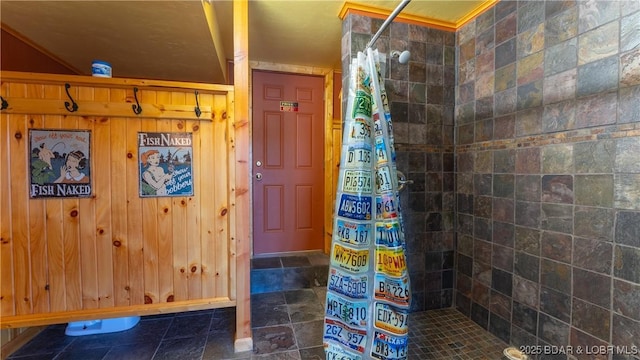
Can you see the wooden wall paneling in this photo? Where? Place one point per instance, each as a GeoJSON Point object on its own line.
{"type": "Point", "coordinates": [224, 193]}
{"type": "Point", "coordinates": [71, 254]}
{"type": "Point", "coordinates": [165, 223]}
{"type": "Point", "coordinates": [134, 210]}
{"type": "Point", "coordinates": [96, 257]}
{"type": "Point", "coordinates": [37, 234]}
{"type": "Point", "coordinates": [7, 304]}
{"type": "Point", "coordinates": [180, 245]}
{"type": "Point", "coordinates": [87, 220]}
{"type": "Point", "coordinates": [229, 263]}
{"type": "Point", "coordinates": [71, 232]}
{"type": "Point", "coordinates": [150, 223]}
{"type": "Point", "coordinates": [205, 175]}
{"type": "Point", "coordinates": [18, 133]}
{"type": "Point", "coordinates": [193, 205]}
{"type": "Point", "coordinates": [194, 215]}
{"type": "Point", "coordinates": [119, 240]}
{"type": "Point", "coordinates": [219, 186]}
{"type": "Point", "coordinates": [103, 189]}
{"type": "Point", "coordinates": [53, 220]}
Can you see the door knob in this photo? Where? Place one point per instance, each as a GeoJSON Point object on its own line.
{"type": "Point", "coordinates": [258, 176]}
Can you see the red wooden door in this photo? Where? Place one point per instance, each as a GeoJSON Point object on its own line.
{"type": "Point", "coordinates": [288, 159]}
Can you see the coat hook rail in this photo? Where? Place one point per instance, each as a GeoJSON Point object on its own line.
{"type": "Point", "coordinates": [71, 106]}
{"type": "Point", "coordinates": [137, 109]}
{"type": "Point", "coordinates": [5, 104]}
{"type": "Point", "coordinates": [197, 108]}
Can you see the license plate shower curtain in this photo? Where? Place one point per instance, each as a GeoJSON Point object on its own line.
{"type": "Point", "coordinates": [368, 292]}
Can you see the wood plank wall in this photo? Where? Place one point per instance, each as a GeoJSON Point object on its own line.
{"type": "Point", "coordinates": [115, 254]}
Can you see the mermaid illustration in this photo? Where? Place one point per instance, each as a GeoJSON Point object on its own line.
{"type": "Point", "coordinates": [154, 179]}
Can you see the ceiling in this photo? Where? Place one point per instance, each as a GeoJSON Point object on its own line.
{"type": "Point", "coordinates": [191, 40]}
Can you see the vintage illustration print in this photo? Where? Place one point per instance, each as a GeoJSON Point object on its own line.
{"type": "Point", "coordinates": [165, 164]}
{"type": "Point", "coordinates": [59, 163]}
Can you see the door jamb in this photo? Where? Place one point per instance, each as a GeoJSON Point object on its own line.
{"type": "Point", "coordinates": [328, 138]}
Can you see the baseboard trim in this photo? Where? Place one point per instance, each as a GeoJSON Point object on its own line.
{"type": "Point", "coordinates": [244, 344]}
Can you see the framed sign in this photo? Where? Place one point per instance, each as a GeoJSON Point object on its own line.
{"type": "Point", "coordinates": [165, 164]}
{"type": "Point", "coordinates": [59, 163]}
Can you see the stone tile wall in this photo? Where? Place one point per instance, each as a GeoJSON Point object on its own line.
{"type": "Point", "coordinates": [547, 123]}
{"type": "Point", "coordinates": [421, 95]}
{"type": "Point", "coordinates": [547, 179]}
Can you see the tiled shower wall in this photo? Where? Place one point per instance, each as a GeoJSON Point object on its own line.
{"type": "Point", "coordinates": [547, 123]}
{"type": "Point", "coordinates": [422, 98]}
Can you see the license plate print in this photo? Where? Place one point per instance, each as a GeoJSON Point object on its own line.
{"type": "Point", "coordinates": [391, 261]}
{"type": "Point", "coordinates": [388, 233]}
{"type": "Point", "coordinates": [357, 181]}
{"type": "Point", "coordinates": [386, 207]}
{"type": "Point", "coordinates": [390, 318]}
{"type": "Point", "coordinates": [352, 232]}
{"type": "Point", "coordinates": [355, 207]}
{"type": "Point", "coordinates": [352, 313]}
{"type": "Point", "coordinates": [335, 352]}
{"type": "Point", "coordinates": [395, 290]}
{"type": "Point", "coordinates": [389, 347]}
{"type": "Point", "coordinates": [358, 157]}
{"type": "Point", "coordinates": [354, 260]}
{"type": "Point", "coordinates": [381, 152]}
{"type": "Point", "coordinates": [362, 104]}
{"type": "Point", "coordinates": [349, 285]}
{"type": "Point", "coordinates": [377, 126]}
{"type": "Point", "coordinates": [360, 131]}
{"type": "Point", "coordinates": [383, 180]}
{"type": "Point", "coordinates": [354, 339]}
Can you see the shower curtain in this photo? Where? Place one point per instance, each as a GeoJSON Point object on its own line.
{"type": "Point", "coordinates": [368, 290]}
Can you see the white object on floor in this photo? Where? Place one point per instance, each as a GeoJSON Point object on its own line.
{"type": "Point", "coordinates": [104, 326]}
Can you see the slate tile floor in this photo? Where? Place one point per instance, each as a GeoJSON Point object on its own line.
{"type": "Point", "coordinates": [287, 324]}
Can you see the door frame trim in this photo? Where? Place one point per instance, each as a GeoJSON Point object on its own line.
{"type": "Point", "coordinates": [328, 139]}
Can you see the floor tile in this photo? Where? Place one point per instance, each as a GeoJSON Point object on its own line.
{"type": "Point", "coordinates": [266, 280]}
{"type": "Point", "coordinates": [83, 354]}
{"type": "Point", "coordinates": [266, 263]}
{"type": "Point", "coordinates": [273, 339]}
{"type": "Point", "coordinates": [50, 341]}
{"type": "Point", "coordinates": [181, 348]}
{"type": "Point", "coordinates": [220, 346]}
{"type": "Point", "coordinates": [313, 353]}
{"type": "Point", "coordinates": [189, 326]}
{"type": "Point", "coordinates": [309, 334]}
{"type": "Point", "coordinates": [285, 324]}
{"type": "Point", "coordinates": [268, 309]}
{"type": "Point", "coordinates": [132, 352]}
{"type": "Point", "coordinates": [295, 261]}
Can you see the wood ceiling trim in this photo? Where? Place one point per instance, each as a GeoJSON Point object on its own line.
{"type": "Point", "coordinates": [380, 13]}
{"type": "Point", "coordinates": [477, 11]}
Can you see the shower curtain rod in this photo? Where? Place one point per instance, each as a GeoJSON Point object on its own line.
{"type": "Point", "coordinates": [387, 22]}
